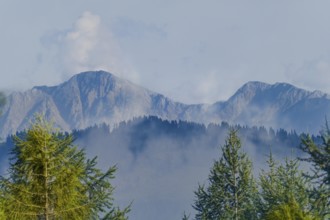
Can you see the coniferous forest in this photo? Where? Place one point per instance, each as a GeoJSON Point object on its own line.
{"type": "Point", "coordinates": [50, 177]}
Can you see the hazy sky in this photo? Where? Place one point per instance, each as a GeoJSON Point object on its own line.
{"type": "Point", "coordinates": [190, 50]}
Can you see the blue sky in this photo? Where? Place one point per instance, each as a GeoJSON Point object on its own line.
{"type": "Point", "coordinates": [190, 50]}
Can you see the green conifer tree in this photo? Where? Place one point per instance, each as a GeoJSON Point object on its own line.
{"type": "Point", "coordinates": [319, 158]}
{"type": "Point", "coordinates": [288, 211]}
{"type": "Point", "coordinates": [49, 178]}
{"type": "Point", "coordinates": [281, 186]}
{"type": "Point", "coordinates": [232, 191]}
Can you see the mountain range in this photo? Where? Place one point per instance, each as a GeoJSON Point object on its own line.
{"type": "Point", "coordinates": [96, 97]}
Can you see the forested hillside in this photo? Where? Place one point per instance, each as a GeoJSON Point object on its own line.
{"type": "Point", "coordinates": [143, 132]}
{"type": "Point", "coordinates": [161, 162]}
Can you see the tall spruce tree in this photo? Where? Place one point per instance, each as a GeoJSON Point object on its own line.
{"type": "Point", "coordinates": [231, 191]}
{"type": "Point", "coordinates": [319, 158]}
{"type": "Point", "coordinates": [49, 178]}
{"type": "Point", "coordinates": [281, 187]}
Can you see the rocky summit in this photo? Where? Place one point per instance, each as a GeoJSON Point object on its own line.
{"type": "Point", "coordinates": [95, 97]}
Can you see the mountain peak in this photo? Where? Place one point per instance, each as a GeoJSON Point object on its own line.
{"type": "Point", "coordinates": [94, 97]}
{"type": "Point", "coordinates": [93, 74]}
{"type": "Point", "coordinates": [255, 84]}
{"type": "Point", "coordinates": [255, 87]}
{"type": "Point", "coordinates": [263, 85]}
{"type": "Point", "coordinates": [95, 78]}
{"type": "Point", "coordinates": [258, 91]}
{"type": "Point", "coordinates": [249, 90]}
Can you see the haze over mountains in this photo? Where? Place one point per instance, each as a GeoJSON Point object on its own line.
{"type": "Point", "coordinates": [161, 162]}
{"type": "Point", "coordinates": [91, 98]}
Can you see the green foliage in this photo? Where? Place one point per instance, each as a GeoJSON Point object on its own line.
{"type": "Point", "coordinates": [282, 184]}
{"type": "Point", "coordinates": [284, 193]}
{"type": "Point", "coordinates": [319, 158]}
{"type": "Point", "coordinates": [2, 214]}
{"type": "Point", "coordinates": [49, 178]}
{"type": "Point", "coordinates": [232, 190]}
{"type": "Point", "coordinates": [288, 211]}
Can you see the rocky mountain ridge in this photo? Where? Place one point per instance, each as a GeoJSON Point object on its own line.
{"type": "Point", "coordinates": [95, 97]}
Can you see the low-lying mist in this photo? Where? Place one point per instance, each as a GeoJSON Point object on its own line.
{"type": "Point", "coordinates": [160, 163]}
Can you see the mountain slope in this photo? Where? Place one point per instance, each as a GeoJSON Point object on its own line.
{"type": "Point", "coordinates": [86, 99]}
{"type": "Point", "coordinates": [95, 97]}
{"type": "Point", "coordinates": [279, 105]}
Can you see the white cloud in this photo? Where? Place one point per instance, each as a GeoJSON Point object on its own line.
{"type": "Point", "coordinates": [89, 45]}
{"type": "Point", "coordinates": [83, 39]}
{"type": "Point", "coordinates": [208, 87]}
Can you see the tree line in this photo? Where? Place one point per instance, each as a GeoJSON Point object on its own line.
{"type": "Point", "coordinates": [282, 191]}
{"type": "Point", "coordinates": [139, 132]}
{"type": "Point", "coordinates": [51, 178]}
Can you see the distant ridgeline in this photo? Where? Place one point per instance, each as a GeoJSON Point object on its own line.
{"type": "Point", "coordinates": [151, 131]}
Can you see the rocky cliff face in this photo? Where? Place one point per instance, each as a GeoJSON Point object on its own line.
{"type": "Point", "coordinates": [91, 98]}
